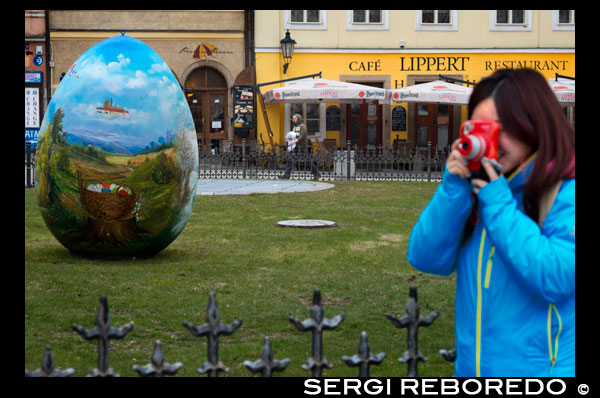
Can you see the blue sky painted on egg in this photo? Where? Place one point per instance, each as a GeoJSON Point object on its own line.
{"type": "Point", "coordinates": [136, 78]}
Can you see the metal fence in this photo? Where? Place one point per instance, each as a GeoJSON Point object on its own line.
{"type": "Point", "coordinates": [253, 160]}
{"type": "Point", "coordinates": [266, 364]}
{"type": "Point", "coordinates": [30, 153]}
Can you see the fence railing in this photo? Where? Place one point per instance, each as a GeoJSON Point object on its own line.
{"type": "Point", "coordinates": [252, 160]}
{"type": "Point", "coordinates": [266, 364]}
{"type": "Point", "coordinates": [30, 153]}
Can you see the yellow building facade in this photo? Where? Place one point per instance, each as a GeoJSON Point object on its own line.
{"type": "Point", "coordinates": [393, 49]}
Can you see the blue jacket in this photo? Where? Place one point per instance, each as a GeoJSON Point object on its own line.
{"type": "Point", "coordinates": [515, 283]}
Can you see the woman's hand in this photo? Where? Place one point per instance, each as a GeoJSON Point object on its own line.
{"type": "Point", "coordinates": [491, 172]}
{"type": "Point", "coordinates": [456, 164]}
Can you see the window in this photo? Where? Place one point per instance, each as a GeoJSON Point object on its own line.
{"type": "Point", "coordinates": [435, 16]}
{"type": "Point", "coordinates": [304, 16]}
{"type": "Point", "coordinates": [305, 19]}
{"type": "Point", "coordinates": [367, 20]}
{"type": "Point", "coordinates": [515, 20]}
{"type": "Point", "coordinates": [436, 20]}
{"type": "Point", "coordinates": [311, 116]}
{"type": "Point", "coordinates": [563, 20]}
{"type": "Point", "coordinates": [366, 16]}
{"type": "Point", "coordinates": [566, 16]}
{"type": "Point", "coordinates": [511, 17]}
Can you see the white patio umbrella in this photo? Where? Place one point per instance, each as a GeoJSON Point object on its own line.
{"type": "Point", "coordinates": [436, 92]}
{"type": "Point", "coordinates": [564, 89]}
{"type": "Point", "coordinates": [316, 91]}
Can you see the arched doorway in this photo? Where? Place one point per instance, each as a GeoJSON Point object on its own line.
{"type": "Point", "coordinates": [206, 94]}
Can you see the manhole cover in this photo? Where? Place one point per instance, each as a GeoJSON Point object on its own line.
{"type": "Point", "coordinates": [306, 224]}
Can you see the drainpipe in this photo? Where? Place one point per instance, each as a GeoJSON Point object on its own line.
{"type": "Point", "coordinates": [252, 52]}
{"type": "Point", "coordinates": [49, 63]}
{"type": "Point", "coordinates": [249, 59]}
{"type": "Point", "coordinates": [246, 38]}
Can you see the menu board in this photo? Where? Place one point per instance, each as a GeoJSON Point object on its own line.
{"type": "Point", "coordinates": [243, 107]}
{"type": "Point", "coordinates": [399, 118]}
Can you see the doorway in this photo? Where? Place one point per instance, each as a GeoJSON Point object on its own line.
{"type": "Point", "coordinates": [433, 123]}
{"type": "Point", "coordinates": [438, 123]}
{"type": "Point", "coordinates": [363, 123]}
{"type": "Point", "coordinates": [206, 94]}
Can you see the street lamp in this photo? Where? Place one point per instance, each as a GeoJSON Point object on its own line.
{"type": "Point", "coordinates": [287, 49]}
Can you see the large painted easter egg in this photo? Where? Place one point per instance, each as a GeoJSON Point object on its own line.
{"type": "Point", "coordinates": [117, 157]}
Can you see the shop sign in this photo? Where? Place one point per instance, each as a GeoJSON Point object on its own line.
{"type": "Point", "coordinates": [33, 77]}
{"type": "Point", "coordinates": [31, 135]}
{"type": "Point", "coordinates": [203, 51]}
{"type": "Point", "coordinates": [533, 64]}
{"type": "Point", "coordinates": [428, 64]}
{"type": "Point", "coordinates": [32, 107]}
{"type": "Point", "coordinates": [359, 66]}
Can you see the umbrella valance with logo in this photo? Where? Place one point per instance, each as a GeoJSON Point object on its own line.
{"type": "Point", "coordinates": [564, 89]}
{"type": "Point", "coordinates": [323, 90]}
{"type": "Point", "coordinates": [436, 92]}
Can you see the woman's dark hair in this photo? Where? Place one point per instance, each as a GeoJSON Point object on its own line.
{"type": "Point", "coordinates": [529, 111]}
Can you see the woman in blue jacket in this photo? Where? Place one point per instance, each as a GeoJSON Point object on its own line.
{"type": "Point", "coordinates": [515, 282]}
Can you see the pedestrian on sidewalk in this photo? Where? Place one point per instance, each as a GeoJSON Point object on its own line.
{"type": "Point", "coordinates": [301, 148]}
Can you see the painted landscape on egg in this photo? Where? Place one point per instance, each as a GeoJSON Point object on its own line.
{"type": "Point", "coordinates": [117, 155]}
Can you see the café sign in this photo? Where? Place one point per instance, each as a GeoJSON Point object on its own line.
{"type": "Point", "coordinates": [204, 50]}
{"type": "Point", "coordinates": [460, 63]}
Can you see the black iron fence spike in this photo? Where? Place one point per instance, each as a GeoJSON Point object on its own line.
{"type": "Point", "coordinates": [412, 321]}
{"type": "Point", "coordinates": [266, 365]}
{"type": "Point", "coordinates": [364, 359]}
{"type": "Point", "coordinates": [449, 355]}
{"type": "Point", "coordinates": [317, 323]}
{"type": "Point", "coordinates": [157, 366]}
{"type": "Point", "coordinates": [212, 329]}
{"type": "Point", "coordinates": [47, 368]}
{"type": "Point", "coordinates": [103, 333]}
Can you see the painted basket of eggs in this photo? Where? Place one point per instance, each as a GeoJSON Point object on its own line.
{"type": "Point", "coordinates": [105, 203]}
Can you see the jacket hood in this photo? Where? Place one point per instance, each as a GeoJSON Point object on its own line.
{"type": "Point", "coordinates": [299, 117]}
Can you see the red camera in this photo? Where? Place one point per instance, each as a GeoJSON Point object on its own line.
{"type": "Point", "coordinates": [478, 139]}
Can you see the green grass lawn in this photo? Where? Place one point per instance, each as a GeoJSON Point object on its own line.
{"type": "Point", "coordinates": [261, 274]}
